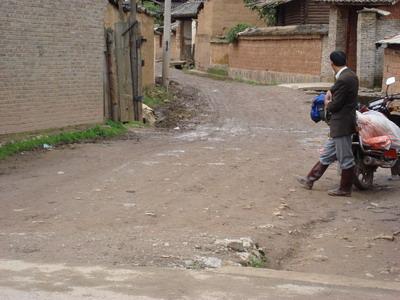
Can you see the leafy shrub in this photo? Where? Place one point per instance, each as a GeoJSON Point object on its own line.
{"type": "Point", "coordinates": [232, 35]}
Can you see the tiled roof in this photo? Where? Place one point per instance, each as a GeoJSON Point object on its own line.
{"type": "Point", "coordinates": [367, 2]}
{"type": "Point", "coordinates": [189, 9]}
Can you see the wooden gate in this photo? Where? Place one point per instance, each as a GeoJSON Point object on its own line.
{"type": "Point", "coordinates": [123, 63]}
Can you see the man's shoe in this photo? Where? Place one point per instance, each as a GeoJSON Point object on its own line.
{"type": "Point", "coordinates": [346, 184]}
{"type": "Point", "coordinates": [305, 182]}
{"type": "Point", "coordinates": [316, 173]}
{"type": "Point", "coordinates": [339, 193]}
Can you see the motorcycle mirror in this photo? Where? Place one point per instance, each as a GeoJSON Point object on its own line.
{"type": "Point", "coordinates": [390, 80]}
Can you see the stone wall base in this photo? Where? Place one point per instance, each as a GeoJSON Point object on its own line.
{"type": "Point", "coordinates": [270, 77]}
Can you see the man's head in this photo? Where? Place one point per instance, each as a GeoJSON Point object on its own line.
{"type": "Point", "coordinates": [338, 60]}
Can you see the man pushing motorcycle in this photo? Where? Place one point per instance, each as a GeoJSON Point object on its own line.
{"type": "Point", "coordinates": [340, 106]}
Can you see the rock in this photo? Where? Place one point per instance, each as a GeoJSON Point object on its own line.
{"type": "Point", "coordinates": [319, 258]}
{"type": "Point", "coordinates": [385, 237]}
{"type": "Point", "coordinates": [244, 256]}
{"type": "Point", "coordinates": [267, 226]}
{"type": "Point", "coordinates": [278, 214]}
{"type": "Point", "coordinates": [284, 206]}
{"type": "Point", "coordinates": [129, 205]}
{"type": "Point", "coordinates": [230, 263]}
{"type": "Point", "coordinates": [151, 214]}
{"type": "Point", "coordinates": [369, 275]}
{"type": "Point", "coordinates": [149, 115]}
{"type": "Point", "coordinates": [236, 246]}
{"type": "Point", "coordinates": [60, 173]}
{"type": "Point", "coordinates": [188, 263]}
{"type": "Point", "coordinates": [211, 262]}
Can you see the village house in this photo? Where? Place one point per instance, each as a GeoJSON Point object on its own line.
{"type": "Point", "coordinates": [294, 50]}
{"type": "Point", "coordinates": [53, 64]}
{"type": "Point", "coordinates": [185, 16]}
{"type": "Point", "coordinates": [215, 19]}
{"type": "Point", "coordinates": [391, 65]}
{"type": "Point", "coordinates": [158, 43]}
{"type": "Point", "coordinates": [355, 26]}
{"type": "Point", "coordinates": [306, 31]}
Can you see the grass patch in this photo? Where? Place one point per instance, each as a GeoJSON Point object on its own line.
{"type": "Point", "coordinates": [256, 262]}
{"type": "Point", "coordinates": [136, 124]}
{"type": "Point", "coordinates": [232, 35]}
{"type": "Point", "coordinates": [217, 71]}
{"type": "Point", "coordinates": [110, 129]}
{"type": "Point", "coordinates": [156, 96]}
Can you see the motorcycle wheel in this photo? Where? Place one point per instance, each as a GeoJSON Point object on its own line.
{"type": "Point", "coordinates": [364, 177]}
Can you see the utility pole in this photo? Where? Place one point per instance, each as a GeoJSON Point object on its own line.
{"type": "Point", "coordinates": [136, 61]}
{"type": "Point", "coordinates": [166, 43]}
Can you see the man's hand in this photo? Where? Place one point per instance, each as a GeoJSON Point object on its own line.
{"type": "Point", "coordinates": [328, 98]}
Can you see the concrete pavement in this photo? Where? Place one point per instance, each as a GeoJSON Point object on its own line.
{"type": "Point", "coordinates": [31, 281]}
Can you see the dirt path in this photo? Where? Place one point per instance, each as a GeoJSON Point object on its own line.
{"type": "Point", "coordinates": [164, 198]}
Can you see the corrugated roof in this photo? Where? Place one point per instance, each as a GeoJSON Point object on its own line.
{"type": "Point", "coordinates": [189, 9]}
{"type": "Point", "coordinates": [359, 2]}
{"type": "Point", "coordinates": [391, 41]}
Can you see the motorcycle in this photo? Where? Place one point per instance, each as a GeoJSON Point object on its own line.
{"type": "Point", "coordinates": [368, 160]}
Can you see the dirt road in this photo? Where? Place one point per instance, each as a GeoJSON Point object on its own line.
{"type": "Point", "coordinates": [162, 198]}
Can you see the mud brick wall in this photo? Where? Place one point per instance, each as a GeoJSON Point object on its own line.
{"type": "Point", "coordinates": [392, 68]}
{"type": "Point", "coordinates": [215, 20]}
{"type": "Point", "coordinates": [219, 54]}
{"type": "Point", "coordinates": [298, 59]}
{"type": "Point", "coordinates": [51, 63]}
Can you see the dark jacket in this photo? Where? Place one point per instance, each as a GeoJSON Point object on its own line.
{"type": "Point", "coordinates": [344, 104]}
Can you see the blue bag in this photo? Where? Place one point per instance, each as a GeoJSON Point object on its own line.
{"type": "Point", "coordinates": [318, 108]}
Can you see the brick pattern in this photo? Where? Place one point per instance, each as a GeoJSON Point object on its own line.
{"type": "Point", "coordinates": [296, 55]}
{"type": "Point", "coordinates": [366, 50]}
{"type": "Point", "coordinates": [215, 19]}
{"type": "Point", "coordinates": [219, 54]}
{"type": "Point", "coordinates": [51, 64]}
{"type": "Point", "coordinates": [392, 68]}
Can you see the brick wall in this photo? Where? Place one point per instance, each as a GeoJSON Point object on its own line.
{"type": "Point", "coordinates": [290, 55]}
{"type": "Point", "coordinates": [219, 54]}
{"type": "Point", "coordinates": [366, 50]}
{"type": "Point", "coordinates": [51, 64]}
{"type": "Point", "coordinates": [392, 68]}
{"type": "Point", "coordinates": [215, 19]}
{"type": "Point", "coordinates": [228, 13]}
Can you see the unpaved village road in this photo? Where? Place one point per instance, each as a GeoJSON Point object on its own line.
{"type": "Point", "coordinates": [165, 197]}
